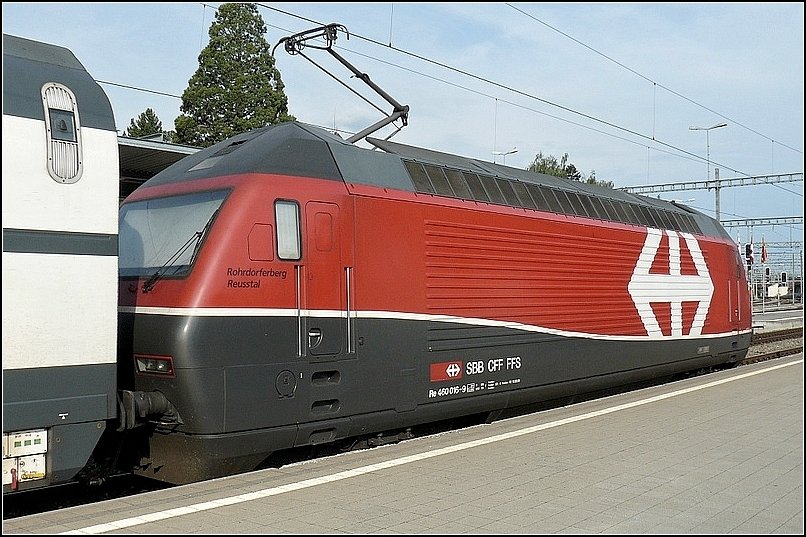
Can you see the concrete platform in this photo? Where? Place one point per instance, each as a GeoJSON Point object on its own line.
{"type": "Point", "coordinates": [721, 453]}
{"type": "Point", "coordinates": [778, 319]}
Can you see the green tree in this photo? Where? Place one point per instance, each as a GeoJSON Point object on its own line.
{"type": "Point", "coordinates": [593, 181]}
{"type": "Point", "coordinates": [550, 165]}
{"type": "Point", "coordinates": [145, 124]}
{"type": "Point", "coordinates": [236, 87]}
{"type": "Point", "coordinates": [572, 173]}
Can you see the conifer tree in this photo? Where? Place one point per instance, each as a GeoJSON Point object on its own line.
{"type": "Point", "coordinates": [146, 124]}
{"type": "Point", "coordinates": [236, 87]}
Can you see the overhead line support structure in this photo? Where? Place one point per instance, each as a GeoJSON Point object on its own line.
{"type": "Point", "coordinates": [716, 183]}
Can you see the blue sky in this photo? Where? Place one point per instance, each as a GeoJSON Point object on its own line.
{"type": "Point", "coordinates": [616, 86]}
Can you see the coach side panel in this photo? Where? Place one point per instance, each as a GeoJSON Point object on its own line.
{"type": "Point", "coordinates": [60, 196]}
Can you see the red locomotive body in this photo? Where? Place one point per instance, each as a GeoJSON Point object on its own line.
{"type": "Point", "coordinates": [285, 288]}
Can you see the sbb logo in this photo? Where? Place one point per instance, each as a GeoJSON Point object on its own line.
{"type": "Point", "coordinates": [676, 288]}
{"type": "Point", "coordinates": [446, 371]}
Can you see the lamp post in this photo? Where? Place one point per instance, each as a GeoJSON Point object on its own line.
{"type": "Point", "coordinates": [708, 161]}
{"type": "Point", "coordinates": [504, 154]}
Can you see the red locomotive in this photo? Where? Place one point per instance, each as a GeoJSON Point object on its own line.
{"type": "Point", "coordinates": [285, 288]}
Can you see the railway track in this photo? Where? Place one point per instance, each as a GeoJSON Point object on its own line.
{"type": "Point", "coordinates": [771, 355]}
{"type": "Point", "coordinates": [775, 344]}
{"type": "Point", "coordinates": [764, 346]}
{"type": "Point", "coordinates": [777, 335]}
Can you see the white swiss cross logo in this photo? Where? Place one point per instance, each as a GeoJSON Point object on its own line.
{"type": "Point", "coordinates": [673, 288]}
{"type": "Point", "coordinates": [453, 370]}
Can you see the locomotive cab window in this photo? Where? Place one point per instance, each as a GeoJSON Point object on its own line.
{"type": "Point", "coordinates": [163, 235]}
{"type": "Point", "coordinates": [286, 215]}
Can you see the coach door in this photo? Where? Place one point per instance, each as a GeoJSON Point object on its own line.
{"type": "Point", "coordinates": [324, 288]}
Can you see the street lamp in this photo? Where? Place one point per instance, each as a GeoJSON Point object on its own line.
{"type": "Point", "coordinates": [708, 161]}
{"type": "Point", "coordinates": [504, 154]}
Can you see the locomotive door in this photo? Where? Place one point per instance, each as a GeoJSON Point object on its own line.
{"type": "Point", "coordinates": [324, 286]}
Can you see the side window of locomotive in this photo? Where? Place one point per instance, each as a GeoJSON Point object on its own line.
{"type": "Point", "coordinates": [289, 241]}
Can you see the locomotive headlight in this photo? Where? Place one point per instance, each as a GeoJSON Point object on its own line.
{"type": "Point", "coordinates": [162, 365]}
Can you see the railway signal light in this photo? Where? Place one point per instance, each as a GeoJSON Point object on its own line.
{"type": "Point", "coordinates": [783, 277]}
{"type": "Point", "coordinates": [748, 253]}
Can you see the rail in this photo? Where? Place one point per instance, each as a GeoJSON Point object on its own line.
{"type": "Point", "coordinates": [777, 335]}
{"type": "Point", "coordinates": [793, 335]}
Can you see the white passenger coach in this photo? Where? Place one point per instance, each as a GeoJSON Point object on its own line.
{"type": "Point", "coordinates": [60, 262]}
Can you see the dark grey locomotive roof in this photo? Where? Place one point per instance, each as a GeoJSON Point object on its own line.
{"type": "Point", "coordinates": [500, 170]}
{"type": "Point", "coordinates": [28, 65]}
{"type": "Point", "coordinates": [294, 148]}
{"type": "Point", "coordinates": [286, 149]}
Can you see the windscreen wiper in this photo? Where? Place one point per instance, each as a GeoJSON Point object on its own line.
{"type": "Point", "coordinates": [197, 236]}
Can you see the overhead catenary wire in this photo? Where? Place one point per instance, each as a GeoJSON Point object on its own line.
{"type": "Point", "coordinates": [503, 86]}
{"type": "Point", "coordinates": [673, 150]}
{"type": "Point", "coordinates": [654, 83]}
{"type": "Point", "coordinates": [516, 91]}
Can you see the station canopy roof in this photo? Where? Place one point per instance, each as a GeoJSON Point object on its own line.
{"type": "Point", "coordinates": [142, 158]}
